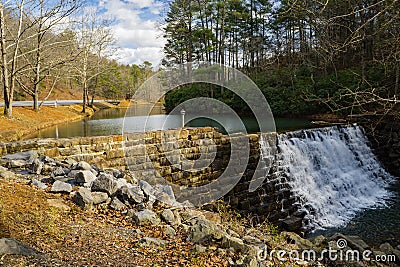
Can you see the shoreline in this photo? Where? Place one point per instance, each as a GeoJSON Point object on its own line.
{"type": "Point", "coordinates": [26, 121]}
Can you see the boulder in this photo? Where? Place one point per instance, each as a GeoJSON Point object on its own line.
{"type": "Point", "coordinates": [38, 184]}
{"type": "Point", "coordinates": [150, 242]}
{"type": "Point", "coordinates": [85, 177]}
{"type": "Point", "coordinates": [17, 163]}
{"type": "Point", "coordinates": [8, 175]}
{"type": "Point", "coordinates": [147, 189]}
{"type": "Point", "coordinates": [58, 172]}
{"type": "Point", "coordinates": [233, 242]}
{"type": "Point", "coordinates": [24, 156]}
{"type": "Point", "coordinates": [169, 231]}
{"type": "Point", "coordinates": [146, 217]}
{"type": "Point", "coordinates": [99, 197]}
{"type": "Point", "coordinates": [131, 194]}
{"type": "Point", "coordinates": [14, 247]}
{"type": "Point", "coordinates": [202, 230]}
{"type": "Point", "coordinates": [169, 217]}
{"type": "Point", "coordinates": [61, 187]}
{"type": "Point", "coordinates": [121, 182]}
{"type": "Point", "coordinates": [105, 183]}
{"type": "Point", "coordinates": [83, 198]}
{"type": "Point", "coordinates": [82, 165]}
{"type": "Point", "coordinates": [117, 204]}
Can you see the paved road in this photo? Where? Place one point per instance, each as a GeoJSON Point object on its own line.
{"type": "Point", "coordinates": [49, 103]}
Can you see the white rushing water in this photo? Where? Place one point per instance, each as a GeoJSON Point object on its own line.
{"type": "Point", "coordinates": [334, 174]}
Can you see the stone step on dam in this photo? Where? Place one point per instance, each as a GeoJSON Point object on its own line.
{"type": "Point", "coordinates": [206, 152]}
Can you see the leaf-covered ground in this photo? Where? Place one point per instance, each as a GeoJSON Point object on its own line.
{"type": "Point", "coordinates": [71, 236]}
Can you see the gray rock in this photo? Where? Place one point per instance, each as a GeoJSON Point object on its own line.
{"type": "Point", "coordinates": [99, 197]}
{"type": "Point", "coordinates": [146, 217]}
{"type": "Point", "coordinates": [73, 173]}
{"type": "Point", "coordinates": [169, 231]}
{"type": "Point", "coordinates": [121, 182]}
{"type": "Point", "coordinates": [69, 162]}
{"type": "Point", "coordinates": [116, 204]}
{"type": "Point", "coordinates": [169, 217]}
{"type": "Point", "coordinates": [3, 169]}
{"type": "Point", "coordinates": [36, 166]}
{"type": "Point", "coordinates": [131, 195]}
{"type": "Point", "coordinates": [24, 156]}
{"type": "Point", "coordinates": [105, 183]}
{"type": "Point", "coordinates": [85, 177]}
{"type": "Point", "coordinates": [165, 194]}
{"type": "Point", "coordinates": [38, 184]}
{"type": "Point", "coordinates": [64, 179]}
{"type": "Point", "coordinates": [150, 242]}
{"type": "Point", "coordinates": [82, 165]}
{"type": "Point", "coordinates": [8, 175]}
{"type": "Point", "coordinates": [148, 190]}
{"type": "Point", "coordinates": [83, 198]}
{"type": "Point", "coordinates": [202, 230]}
{"type": "Point", "coordinates": [58, 172]}
{"type": "Point", "coordinates": [14, 247]}
{"type": "Point", "coordinates": [165, 199]}
{"type": "Point", "coordinates": [18, 163]}
{"type": "Point", "coordinates": [233, 242]}
{"type": "Point", "coordinates": [61, 187]}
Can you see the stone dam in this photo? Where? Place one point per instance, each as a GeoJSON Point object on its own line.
{"type": "Point", "coordinates": [304, 179]}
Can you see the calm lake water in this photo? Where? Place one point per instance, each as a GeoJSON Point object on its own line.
{"type": "Point", "coordinates": [111, 121]}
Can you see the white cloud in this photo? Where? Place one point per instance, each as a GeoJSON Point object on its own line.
{"type": "Point", "coordinates": [139, 55]}
{"type": "Point", "coordinates": [136, 29]}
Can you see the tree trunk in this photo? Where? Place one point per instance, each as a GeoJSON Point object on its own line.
{"type": "Point", "coordinates": [4, 68]}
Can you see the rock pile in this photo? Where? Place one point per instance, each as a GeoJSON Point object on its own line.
{"type": "Point", "coordinates": [91, 187]}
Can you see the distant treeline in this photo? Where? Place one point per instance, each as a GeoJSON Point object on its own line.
{"type": "Point", "coordinates": [306, 56]}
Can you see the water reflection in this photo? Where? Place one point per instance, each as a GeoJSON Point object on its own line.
{"type": "Point", "coordinates": [110, 122]}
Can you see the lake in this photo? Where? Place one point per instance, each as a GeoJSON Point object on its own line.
{"type": "Point", "coordinates": [111, 122]}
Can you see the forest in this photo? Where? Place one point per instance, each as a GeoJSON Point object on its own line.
{"type": "Point", "coordinates": [307, 57]}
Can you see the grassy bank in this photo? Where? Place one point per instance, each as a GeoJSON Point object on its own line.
{"type": "Point", "coordinates": [26, 121]}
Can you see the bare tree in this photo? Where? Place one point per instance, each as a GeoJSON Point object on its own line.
{"type": "Point", "coordinates": [47, 18]}
{"type": "Point", "coordinates": [95, 42]}
{"type": "Point", "coordinates": [12, 32]}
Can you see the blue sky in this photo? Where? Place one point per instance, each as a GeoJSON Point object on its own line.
{"type": "Point", "coordinates": [136, 28]}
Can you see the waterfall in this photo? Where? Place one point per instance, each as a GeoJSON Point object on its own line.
{"type": "Point", "coordinates": [333, 173]}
